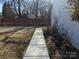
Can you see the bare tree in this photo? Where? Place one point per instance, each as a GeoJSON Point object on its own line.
{"type": "Point", "coordinates": [22, 6]}
{"type": "Point", "coordinates": [17, 5]}
{"type": "Point", "coordinates": [40, 7]}
{"type": "Point", "coordinates": [34, 7]}
{"type": "Point", "coordinates": [49, 11]}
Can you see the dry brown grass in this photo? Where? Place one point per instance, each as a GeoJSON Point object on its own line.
{"type": "Point", "coordinates": [16, 44]}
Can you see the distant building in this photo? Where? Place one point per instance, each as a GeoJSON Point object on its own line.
{"type": "Point", "coordinates": [7, 11]}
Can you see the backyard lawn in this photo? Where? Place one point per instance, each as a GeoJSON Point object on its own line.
{"type": "Point", "coordinates": [14, 42]}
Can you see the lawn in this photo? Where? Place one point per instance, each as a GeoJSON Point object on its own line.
{"type": "Point", "coordinates": [14, 45]}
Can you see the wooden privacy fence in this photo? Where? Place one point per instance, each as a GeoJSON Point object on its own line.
{"type": "Point", "coordinates": [25, 22]}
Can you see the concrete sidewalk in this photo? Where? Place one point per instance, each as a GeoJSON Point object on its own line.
{"type": "Point", "coordinates": [37, 48]}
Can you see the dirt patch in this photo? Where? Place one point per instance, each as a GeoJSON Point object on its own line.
{"type": "Point", "coordinates": [58, 47]}
{"type": "Point", "coordinates": [15, 46]}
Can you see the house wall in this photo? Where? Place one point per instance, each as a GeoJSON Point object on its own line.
{"type": "Point", "coordinates": [61, 15]}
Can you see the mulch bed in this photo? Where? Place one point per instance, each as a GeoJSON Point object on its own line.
{"type": "Point", "coordinates": [58, 47]}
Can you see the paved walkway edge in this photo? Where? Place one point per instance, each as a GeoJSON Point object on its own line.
{"type": "Point", "coordinates": [37, 48]}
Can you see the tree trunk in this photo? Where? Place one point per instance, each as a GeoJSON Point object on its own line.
{"type": "Point", "coordinates": [15, 6]}
{"type": "Point", "coordinates": [37, 2]}
{"type": "Point", "coordinates": [49, 12]}
{"type": "Point", "coordinates": [19, 8]}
